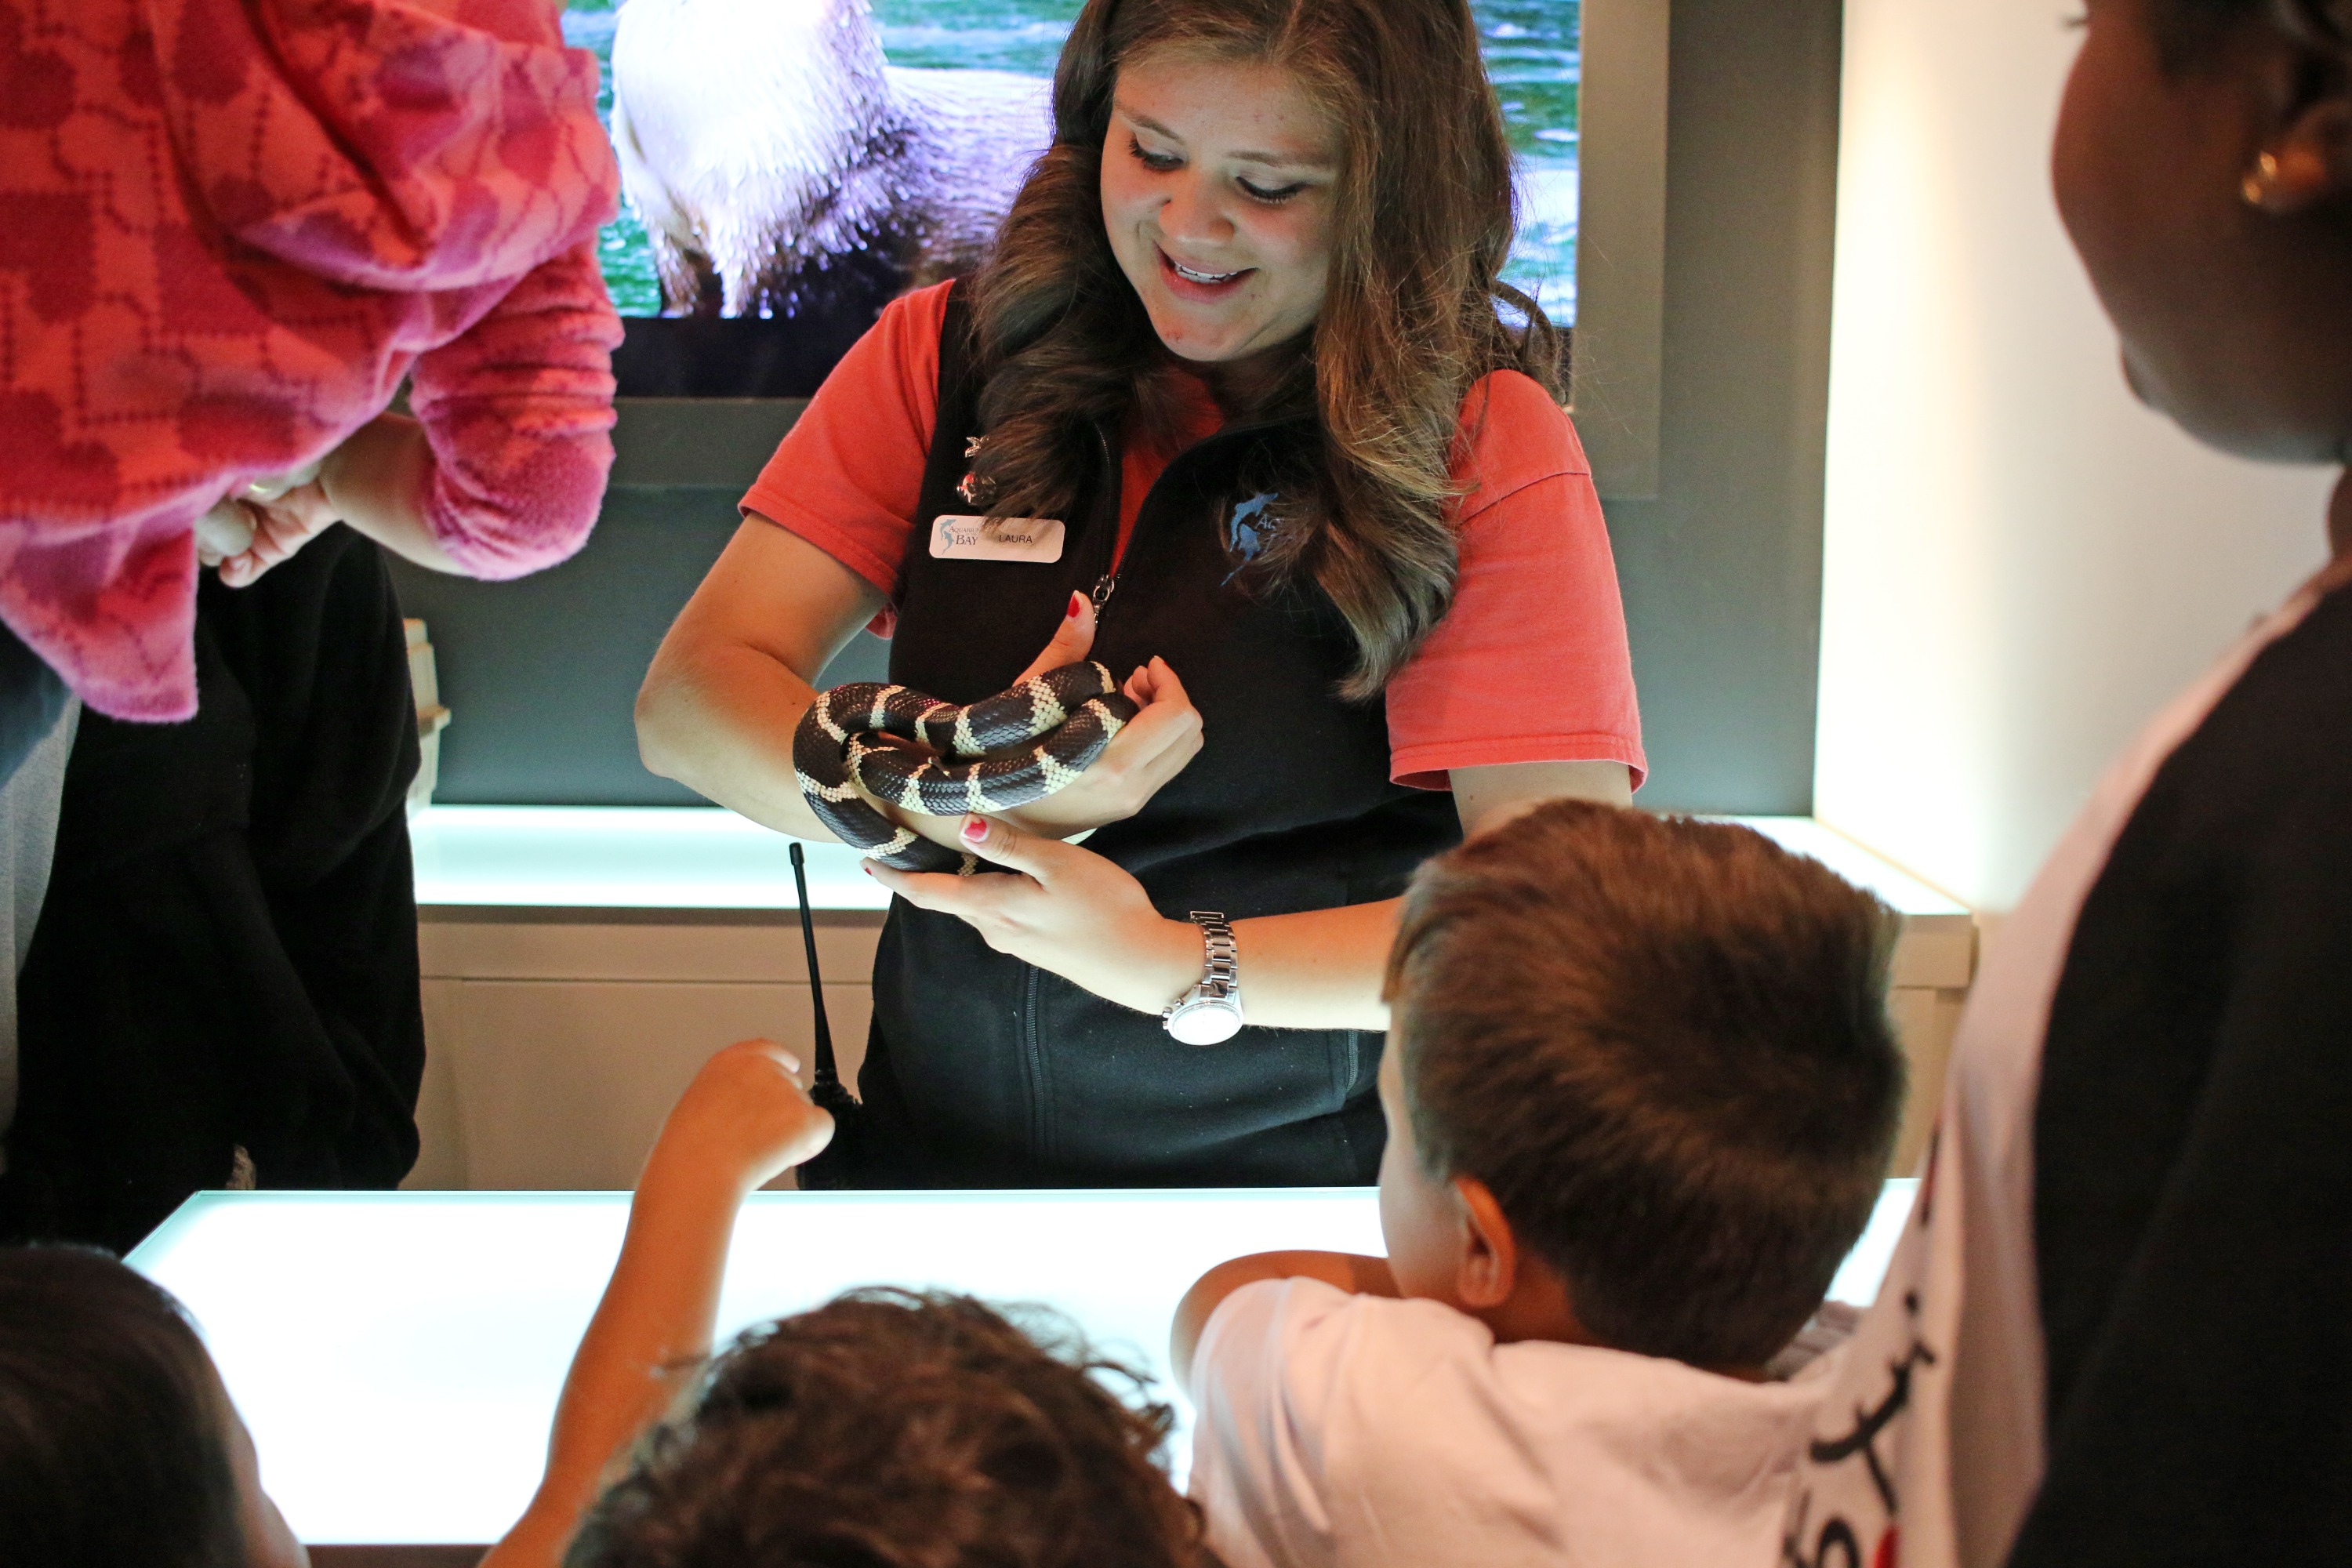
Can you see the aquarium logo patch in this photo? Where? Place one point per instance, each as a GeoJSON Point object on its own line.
{"type": "Point", "coordinates": [1249, 529]}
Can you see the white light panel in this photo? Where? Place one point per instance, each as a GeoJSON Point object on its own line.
{"type": "Point", "coordinates": [398, 1354]}
{"type": "Point", "coordinates": [576, 857]}
{"type": "Point", "coordinates": [691, 857]}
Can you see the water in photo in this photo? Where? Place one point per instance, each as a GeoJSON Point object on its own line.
{"type": "Point", "coordinates": [748, 110]}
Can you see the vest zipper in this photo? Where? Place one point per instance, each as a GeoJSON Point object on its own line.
{"type": "Point", "coordinates": [1107, 584]}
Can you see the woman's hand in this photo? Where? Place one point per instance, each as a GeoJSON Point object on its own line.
{"type": "Point", "coordinates": [1063, 909]}
{"type": "Point", "coordinates": [1153, 747]}
{"type": "Point", "coordinates": [1071, 910]}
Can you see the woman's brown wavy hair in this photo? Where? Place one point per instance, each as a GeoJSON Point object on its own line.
{"type": "Point", "coordinates": [1421, 224]}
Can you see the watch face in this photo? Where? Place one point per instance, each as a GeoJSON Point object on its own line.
{"type": "Point", "coordinates": [1205, 1023]}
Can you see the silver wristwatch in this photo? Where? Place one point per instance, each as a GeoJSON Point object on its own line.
{"type": "Point", "coordinates": [1210, 1013]}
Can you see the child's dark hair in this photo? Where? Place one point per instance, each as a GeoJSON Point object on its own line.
{"type": "Point", "coordinates": [1663, 1044]}
{"type": "Point", "coordinates": [114, 1447]}
{"type": "Point", "coordinates": [890, 1429]}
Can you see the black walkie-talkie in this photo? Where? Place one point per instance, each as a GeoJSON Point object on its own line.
{"type": "Point", "coordinates": [835, 1167]}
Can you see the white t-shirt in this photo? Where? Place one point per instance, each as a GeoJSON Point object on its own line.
{"type": "Point", "coordinates": [1955, 1461]}
{"type": "Point", "coordinates": [1347, 1430]}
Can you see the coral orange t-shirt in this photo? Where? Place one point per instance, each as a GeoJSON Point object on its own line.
{"type": "Point", "coordinates": [1529, 665]}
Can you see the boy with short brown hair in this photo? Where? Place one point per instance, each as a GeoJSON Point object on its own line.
{"type": "Point", "coordinates": [1641, 1092]}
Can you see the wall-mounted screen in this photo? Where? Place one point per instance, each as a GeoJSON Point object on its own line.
{"type": "Point", "coordinates": [790, 166]}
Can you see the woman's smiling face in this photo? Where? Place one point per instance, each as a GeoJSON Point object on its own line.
{"type": "Point", "coordinates": [1217, 186]}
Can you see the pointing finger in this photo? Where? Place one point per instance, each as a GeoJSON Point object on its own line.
{"type": "Point", "coordinates": [1072, 640]}
{"type": "Point", "coordinates": [924, 889]}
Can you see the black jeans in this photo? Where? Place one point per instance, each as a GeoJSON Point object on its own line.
{"type": "Point", "coordinates": [226, 958]}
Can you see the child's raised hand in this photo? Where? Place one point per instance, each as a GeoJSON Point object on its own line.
{"type": "Point", "coordinates": [745, 1120]}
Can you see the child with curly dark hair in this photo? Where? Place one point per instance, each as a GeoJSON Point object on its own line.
{"type": "Point", "coordinates": [889, 1427]}
{"type": "Point", "coordinates": [885, 1428]}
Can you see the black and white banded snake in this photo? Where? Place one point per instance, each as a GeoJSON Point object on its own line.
{"type": "Point", "coordinates": [1007, 750]}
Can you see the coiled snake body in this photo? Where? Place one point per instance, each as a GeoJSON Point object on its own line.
{"type": "Point", "coordinates": [1005, 750]}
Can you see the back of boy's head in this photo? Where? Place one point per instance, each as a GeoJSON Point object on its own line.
{"type": "Point", "coordinates": [888, 1429]}
{"type": "Point", "coordinates": [1664, 1046]}
{"type": "Point", "coordinates": [114, 1447]}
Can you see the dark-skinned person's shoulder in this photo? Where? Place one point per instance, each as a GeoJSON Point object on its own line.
{"type": "Point", "coordinates": [2193, 1147]}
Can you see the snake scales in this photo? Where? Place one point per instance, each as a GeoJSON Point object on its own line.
{"type": "Point", "coordinates": [925, 756]}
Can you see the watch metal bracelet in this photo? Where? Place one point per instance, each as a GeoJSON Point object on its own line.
{"type": "Point", "coordinates": [1221, 969]}
{"type": "Point", "coordinates": [1210, 1011]}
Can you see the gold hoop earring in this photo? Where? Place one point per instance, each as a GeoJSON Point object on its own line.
{"type": "Point", "coordinates": [2257, 187]}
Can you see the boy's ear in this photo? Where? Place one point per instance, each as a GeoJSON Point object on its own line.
{"type": "Point", "coordinates": [1488, 1269]}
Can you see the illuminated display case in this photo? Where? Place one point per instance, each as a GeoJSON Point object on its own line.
{"type": "Point", "coordinates": [398, 1356]}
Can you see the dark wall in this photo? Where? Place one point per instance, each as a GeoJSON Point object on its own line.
{"type": "Point", "coordinates": [540, 674]}
{"type": "Point", "coordinates": [1721, 570]}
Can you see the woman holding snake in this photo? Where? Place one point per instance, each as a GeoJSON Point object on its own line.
{"type": "Point", "coordinates": [1231, 408]}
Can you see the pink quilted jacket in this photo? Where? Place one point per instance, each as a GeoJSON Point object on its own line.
{"type": "Point", "coordinates": [227, 229]}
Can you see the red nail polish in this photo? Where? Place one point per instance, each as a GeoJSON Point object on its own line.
{"type": "Point", "coordinates": [1077, 602]}
{"type": "Point", "coordinates": [974, 830]}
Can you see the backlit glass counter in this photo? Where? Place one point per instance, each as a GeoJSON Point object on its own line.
{"type": "Point", "coordinates": [622, 857]}
{"type": "Point", "coordinates": [398, 1354]}
{"type": "Point", "coordinates": [553, 857]}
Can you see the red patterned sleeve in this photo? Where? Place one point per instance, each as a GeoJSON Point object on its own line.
{"type": "Point", "coordinates": [519, 410]}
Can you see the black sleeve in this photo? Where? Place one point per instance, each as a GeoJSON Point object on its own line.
{"type": "Point", "coordinates": [2193, 1184]}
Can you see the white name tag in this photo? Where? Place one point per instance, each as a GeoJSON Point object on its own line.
{"type": "Point", "coordinates": [1035, 539]}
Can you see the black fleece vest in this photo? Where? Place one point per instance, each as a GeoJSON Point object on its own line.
{"type": "Point", "coordinates": [982, 1071]}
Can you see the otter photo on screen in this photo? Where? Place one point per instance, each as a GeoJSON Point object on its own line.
{"type": "Point", "coordinates": [790, 166]}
